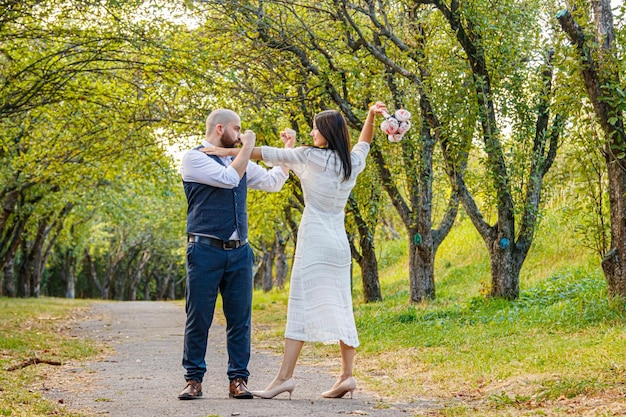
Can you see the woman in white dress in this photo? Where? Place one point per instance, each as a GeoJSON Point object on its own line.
{"type": "Point", "coordinates": [320, 298]}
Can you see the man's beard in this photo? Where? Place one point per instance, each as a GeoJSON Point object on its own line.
{"type": "Point", "coordinates": [228, 141]}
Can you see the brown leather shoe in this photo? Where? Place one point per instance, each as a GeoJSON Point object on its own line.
{"type": "Point", "coordinates": [239, 390]}
{"type": "Point", "coordinates": [192, 391]}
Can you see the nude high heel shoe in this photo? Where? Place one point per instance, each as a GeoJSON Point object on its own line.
{"type": "Point", "coordinates": [347, 386]}
{"type": "Point", "coordinates": [287, 386]}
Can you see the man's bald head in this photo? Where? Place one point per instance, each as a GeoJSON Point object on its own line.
{"type": "Point", "coordinates": [220, 117]}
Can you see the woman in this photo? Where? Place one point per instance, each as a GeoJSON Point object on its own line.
{"type": "Point", "coordinates": [320, 298]}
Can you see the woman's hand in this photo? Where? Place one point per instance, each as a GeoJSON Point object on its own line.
{"type": "Point", "coordinates": [288, 136]}
{"type": "Point", "coordinates": [378, 108]}
{"type": "Point", "coordinates": [217, 151]}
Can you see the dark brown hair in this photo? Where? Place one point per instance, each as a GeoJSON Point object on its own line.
{"type": "Point", "coordinates": [332, 125]}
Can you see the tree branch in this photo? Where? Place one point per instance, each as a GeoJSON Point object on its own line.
{"type": "Point", "coordinates": [32, 361]}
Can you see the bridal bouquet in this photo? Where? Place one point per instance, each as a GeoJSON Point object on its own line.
{"type": "Point", "coordinates": [396, 125]}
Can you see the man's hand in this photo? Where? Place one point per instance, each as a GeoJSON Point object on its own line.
{"type": "Point", "coordinates": [248, 139]}
{"type": "Point", "coordinates": [288, 136]}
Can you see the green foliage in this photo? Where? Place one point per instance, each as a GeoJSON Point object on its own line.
{"type": "Point", "coordinates": [392, 252]}
{"type": "Point", "coordinates": [580, 173]}
{"type": "Point", "coordinates": [111, 85]}
{"type": "Point", "coordinates": [85, 90]}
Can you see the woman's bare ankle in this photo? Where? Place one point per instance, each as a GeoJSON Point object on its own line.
{"type": "Point", "coordinates": [276, 383]}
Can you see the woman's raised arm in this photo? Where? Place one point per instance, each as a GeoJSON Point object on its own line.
{"type": "Point", "coordinates": [368, 124]}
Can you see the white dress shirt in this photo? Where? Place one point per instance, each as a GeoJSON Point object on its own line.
{"type": "Point", "coordinates": [198, 167]}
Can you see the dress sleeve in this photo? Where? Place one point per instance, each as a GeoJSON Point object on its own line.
{"type": "Point", "coordinates": [263, 179]}
{"type": "Point", "coordinates": [359, 156]}
{"type": "Point", "coordinates": [294, 159]}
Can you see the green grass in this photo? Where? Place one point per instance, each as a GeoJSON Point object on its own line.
{"type": "Point", "coordinates": [35, 328]}
{"type": "Point", "coordinates": [496, 337]}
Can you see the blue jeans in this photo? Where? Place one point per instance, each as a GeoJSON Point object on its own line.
{"type": "Point", "coordinates": [211, 270]}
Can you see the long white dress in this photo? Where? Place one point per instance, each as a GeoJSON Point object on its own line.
{"type": "Point", "coordinates": [320, 298]}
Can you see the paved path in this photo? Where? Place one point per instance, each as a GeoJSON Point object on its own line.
{"type": "Point", "coordinates": [143, 375]}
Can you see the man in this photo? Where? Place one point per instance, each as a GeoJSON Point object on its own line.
{"type": "Point", "coordinates": [219, 258]}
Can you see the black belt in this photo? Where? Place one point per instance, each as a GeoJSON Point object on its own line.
{"type": "Point", "coordinates": [224, 244]}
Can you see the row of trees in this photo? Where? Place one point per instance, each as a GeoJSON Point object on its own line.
{"type": "Point", "coordinates": [91, 95]}
{"type": "Point", "coordinates": [86, 188]}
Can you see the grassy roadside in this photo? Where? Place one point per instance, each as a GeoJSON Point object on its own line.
{"type": "Point", "coordinates": [558, 350]}
{"type": "Point", "coordinates": [34, 338]}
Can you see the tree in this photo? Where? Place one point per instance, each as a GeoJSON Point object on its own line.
{"type": "Point", "coordinates": [504, 89]}
{"type": "Point", "coordinates": [82, 90]}
{"type": "Point", "coordinates": [590, 28]}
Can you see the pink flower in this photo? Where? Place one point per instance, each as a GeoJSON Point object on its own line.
{"type": "Point", "coordinates": [402, 115]}
{"type": "Point", "coordinates": [404, 127]}
{"type": "Point", "coordinates": [389, 126]}
{"type": "Point", "coordinates": [384, 126]}
{"type": "Point", "coordinates": [397, 125]}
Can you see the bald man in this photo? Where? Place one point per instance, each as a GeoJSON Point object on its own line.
{"type": "Point", "coordinates": [219, 259]}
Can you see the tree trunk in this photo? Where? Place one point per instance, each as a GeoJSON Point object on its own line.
{"type": "Point", "coordinates": [51, 227]}
{"type": "Point", "coordinates": [602, 82]}
{"type": "Point", "coordinates": [280, 260]}
{"type": "Point", "coordinates": [24, 272]}
{"type": "Point", "coordinates": [9, 277]}
{"type": "Point", "coordinates": [39, 260]}
{"type": "Point", "coordinates": [422, 272]}
{"type": "Point", "coordinates": [369, 271]}
{"type": "Point", "coordinates": [132, 290]}
{"type": "Point", "coordinates": [70, 284]}
{"type": "Point", "coordinates": [119, 281]}
{"type": "Point", "coordinates": [11, 231]}
{"type": "Point", "coordinates": [175, 283]}
{"type": "Point", "coordinates": [369, 279]}
{"type": "Point", "coordinates": [614, 262]}
{"type": "Point", "coordinates": [33, 260]}
{"type": "Point", "coordinates": [504, 270]}
{"type": "Point", "coordinates": [163, 282]}
{"type": "Point", "coordinates": [263, 265]}
{"type": "Point", "coordinates": [172, 289]}
{"type": "Point", "coordinates": [68, 271]}
{"type": "Point", "coordinates": [267, 279]}
{"type": "Point", "coordinates": [422, 246]}
{"type": "Point", "coordinates": [366, 257]}
{"type": "Point", "coordinates": [113, 273]}
{"type": "Point", "coordinates": [292, 225]}
{"type": "Point", "coordinates": [103, 287]}
{"type": "Point", "coordinates": [13, 220]}
{"type": "Point", "coordinates": [134, 283]}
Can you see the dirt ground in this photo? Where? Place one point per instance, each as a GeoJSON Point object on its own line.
{"type": "Point", "coordinates": [141, 374]}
